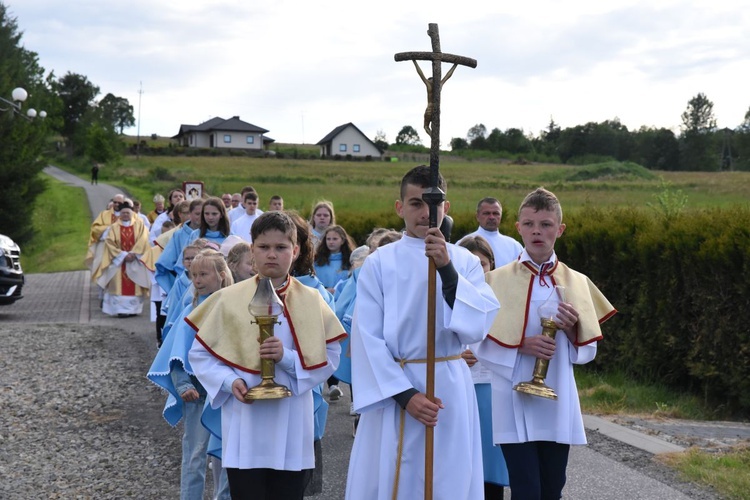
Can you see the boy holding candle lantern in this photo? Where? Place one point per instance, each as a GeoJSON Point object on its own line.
{"type": "Point", "coordinates": [535, 433]}
{"type": "Point", "coordinates": [267, 444]}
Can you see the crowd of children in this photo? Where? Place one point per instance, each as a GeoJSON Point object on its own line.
{"type": "Point", "coordinates": [356, 315]}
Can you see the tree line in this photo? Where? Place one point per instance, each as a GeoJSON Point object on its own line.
{"type": "Point", "coordinates": [87, 126]}
{"type": "Point", "coordinates": [700, 145]}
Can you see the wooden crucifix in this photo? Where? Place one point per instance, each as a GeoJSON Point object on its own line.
{"type": "Point", "coordinates": [433, 196]}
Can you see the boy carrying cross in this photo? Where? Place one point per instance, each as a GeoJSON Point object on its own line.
{"type": "Point", "coordinates": [389, 350]}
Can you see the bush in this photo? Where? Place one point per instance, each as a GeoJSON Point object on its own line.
{"type": "Point", "coordinates": [681, 286]}
{"type": "Point", "coordinates": [162, 174]}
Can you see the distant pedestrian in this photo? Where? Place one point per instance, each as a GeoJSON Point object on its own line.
{"type": "Point", "coordinates": [95, 174]}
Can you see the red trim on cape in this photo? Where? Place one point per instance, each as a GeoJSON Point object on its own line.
{"type": "Point", "coordinates": [605, 318]}
{"type": "Point", "coordinates": [197, 337]}
{"type": "Point", "coordinates": [140, 259]}
{"type": "Point", "coordinates": [226, 361]}
{"type": "Point", "coordinates": [338, 339]}
{"type": "Point", "coordinates": [597, 339]}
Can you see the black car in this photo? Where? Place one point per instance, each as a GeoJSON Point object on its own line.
{"type": "Point", "coordinates": [11, 274]}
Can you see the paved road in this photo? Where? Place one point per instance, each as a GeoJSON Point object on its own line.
{"type": "Point", "coordinates": [67, 298]}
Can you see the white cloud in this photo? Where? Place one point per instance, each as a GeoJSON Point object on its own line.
{"type": "Point", "coordinates": [300, 68]}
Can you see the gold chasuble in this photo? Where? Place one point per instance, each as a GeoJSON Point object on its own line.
{"type": "Point", "coordinates": [509, 326]}
{"type": "Point", "coordinates": [94, 253]}
{"type": "Point", "coordinates": [105, 219]}
{"type": "Point", "coordinates": [223, 324]}
{"type": "Point", "coordinates": [130, 279]}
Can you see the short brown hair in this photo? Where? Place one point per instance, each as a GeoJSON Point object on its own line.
{"type": "Point", "coordinates": [542, 199]}
{"type": "Point", "coordinates": [421, 176]}
{"type": "Point", "coordinates": [278, 221]}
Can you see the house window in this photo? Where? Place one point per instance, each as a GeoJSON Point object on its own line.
{"type": "Point", "coordinates": [250, 139]}
{"type": "Point", "coordinates": [191, 139]}
{"type": "Point", "coordinates": [355, 148]}
{"type": "Point", "coordinates": [342, 148]}
{"type": "Point", "coordinates": [227, 138]}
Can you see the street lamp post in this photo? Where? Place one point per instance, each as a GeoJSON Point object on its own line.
{"type": "Point", "coordinates": [19, 95]}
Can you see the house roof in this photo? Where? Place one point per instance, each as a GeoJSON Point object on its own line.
{"type": "Point", "coordinates": [333, 133]}
{"type": "Point", "coordinates": [218, 124]}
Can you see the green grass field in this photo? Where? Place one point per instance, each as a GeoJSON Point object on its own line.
{"type": "Point", "coordinates": [61, 234]}
{"type": "Point", "coordinates": [371, 187]}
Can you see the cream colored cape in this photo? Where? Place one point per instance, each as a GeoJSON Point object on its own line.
{"type": "Point", "coordinates": [159, 245]}
{"type": "Point", "coordinates": [512, 285]}
{"type": "Point", "coordinates": [223, 325]}
{"type": "Point", "coordinates": [162, 240]}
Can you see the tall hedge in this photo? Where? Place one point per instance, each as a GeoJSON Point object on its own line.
{"type": "Point", "coordinates": [681, 284]}
{"type": "Point", "coordinates": [682, 289]}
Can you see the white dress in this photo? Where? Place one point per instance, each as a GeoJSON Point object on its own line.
{"type": "Point", "coordinates": [390, 323]}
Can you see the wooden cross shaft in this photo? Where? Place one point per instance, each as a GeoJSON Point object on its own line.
{"type": "Point", "coordinates": [433, 197]}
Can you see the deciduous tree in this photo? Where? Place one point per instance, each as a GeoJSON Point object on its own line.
{"type": "Point", "coordinates": [77, 94]}
{"type": "Point", "coordinates": [381, 141]}
{"type": "Point", "coordinates": [699, 115]}
{"type": "Point", "coordinates": [478, 130]}
{"type": "Point", "coordinates": [408, 135]}
{"type": "Point", "coordinates": [116, 111]}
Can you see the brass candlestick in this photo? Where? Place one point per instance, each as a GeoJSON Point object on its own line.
{"type": "Point", "coordinates": [547, 311]}
{"type": "Point", "coordinates": [266, 307]}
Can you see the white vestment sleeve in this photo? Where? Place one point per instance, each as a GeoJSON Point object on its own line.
{"type": "Point", "coordinates": [211, 373]}
{"type": "Point", "coordinates": [375, 372]}
{"type": "Point", "coordinates": [498, 359]}
{"type": "Point", "coordinates": [475, 306]}
{"type": "Point", "coordinates": [302, 380]}
{"type": "Point", "coordinates": [583, 354]}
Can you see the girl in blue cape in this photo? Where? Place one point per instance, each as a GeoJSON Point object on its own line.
{"type": "Point", "coordinates": [332, 256]}
{"type": "Point", "coordinates": [171, 370]}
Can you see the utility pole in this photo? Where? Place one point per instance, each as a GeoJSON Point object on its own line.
{"type": "Point", "coordinates": [138, 140]}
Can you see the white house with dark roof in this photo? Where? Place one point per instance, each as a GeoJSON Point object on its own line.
{"type": "Point", "coordinates": [347, 139]}
{"type": "Point", "coordinates": [220, 133]}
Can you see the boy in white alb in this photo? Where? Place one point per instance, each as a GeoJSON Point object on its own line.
{"type": "Point", "coordinates": [267, 445]}
{"type": "Point", "coordinates": [535, 432]}
{"type": "Point", "coordinates": [389, 350]}
{"type": "Point", "coordinates": [241, 226]}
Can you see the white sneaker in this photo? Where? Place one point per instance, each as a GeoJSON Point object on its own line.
{"type": "Point", "coordinates": [334, 393]}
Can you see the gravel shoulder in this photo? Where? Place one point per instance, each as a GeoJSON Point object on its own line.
{"type": "Point", "coordinates": [79, 418]}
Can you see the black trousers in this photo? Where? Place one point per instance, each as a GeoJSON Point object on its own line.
{"type": "Point", "coordinates": [160, 321]}
{"type": "Point", "coordinates": [267, 484]}
{"type": "Point", "coordinates": [537, 469]}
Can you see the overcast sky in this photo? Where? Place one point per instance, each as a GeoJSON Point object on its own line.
{"type": "Point", "coordinates": [299, 68]}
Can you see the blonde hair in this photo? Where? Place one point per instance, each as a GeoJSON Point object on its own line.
{"type": "Point", "coordinates": [212, 259]}
{"type": "Point", "coordinates": [235, 256]}
{"type": "Point", "coordinates": [322, 204]}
